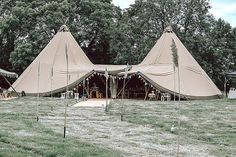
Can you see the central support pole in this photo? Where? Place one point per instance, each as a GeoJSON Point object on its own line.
{"type": "Point", "coordinates": [179, 113]}
{"type": "Point", "coordinates": [37, 108]}
{"type": "Point", "coordinates": [83, 89]}
{"type": "Point", "coordinates": [107, 76]}
{"type": "Point", "coordinates": [122, 107]}
{"type": "Point", "coordinates": [123, 93]}
{"type": "Point", "coordinates": [225, 87]}
{"type": "Point", "coordinates": [67, 94]}
{"type": "Point", "coordinates": [51, 86]}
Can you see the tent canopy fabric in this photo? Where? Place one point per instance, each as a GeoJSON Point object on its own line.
{"type": "Point", "coordinates": [50, 65]}
{"type": "Point", "coordinates": [5, 74]}
{"type": "Point", "coordinates": [8, 74]}
{"type": "Point", "coordinates": [158, 66]}
{"type": "Point", "coordinates": [49, 68]}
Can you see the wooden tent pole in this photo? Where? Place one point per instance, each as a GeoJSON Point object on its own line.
{"type": "Point", "coordinates": [107, 77]}
{"type": "Point", "coordinates": [67, 94]}
{"type": "Point", "coordinates": [225, 84]}
{"type": "Point", "coordinates": [38, 95]}
{"type": "Point", "coordinates": [122, 107]}
{"type": "Point", "coordinates": [146, 91]}
{"type": "Point", "coordinates": [179, 130]}
{"type": "Point", "coordinates": [11, 85]}
{"type": "Point", "coordinates": [83, 88]}
{"type": "Point", "coordinates": [51, 85]}
{"type": "Point", "coordinates": [122, 88]}
{"type": "Point", "coordinates": [174, 82]}
{"type": "Point", "coordinates": [123, 94]}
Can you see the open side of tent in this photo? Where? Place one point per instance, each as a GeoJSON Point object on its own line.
{"type": "Point", "coordinates": [8, 73]}
{"type": "Point", "coordinates": [232, 91]}
{"type": "Point", "coordinates": [5, 74]}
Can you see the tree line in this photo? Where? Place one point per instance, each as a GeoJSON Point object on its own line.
{"type": "Point", "coordinates": [111, 35]}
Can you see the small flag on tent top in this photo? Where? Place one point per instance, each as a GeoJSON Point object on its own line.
{"type": "Point", "coordinates": [106, 73]}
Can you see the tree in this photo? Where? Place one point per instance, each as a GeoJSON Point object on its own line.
{"type": "Point", "coordinates": [144, 22]}
{"type": "Point", "coordinates": [39, 21]}
{"type": "Point", "coordinates": [95, 27]}
{"type": "Point", "coordinates": [219, 52]}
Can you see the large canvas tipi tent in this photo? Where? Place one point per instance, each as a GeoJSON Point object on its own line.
{"type": "Point", "coordinates": [156, 68]}
{"type": "Point", "coordinates": [47, 74]}
{"type": "Point", "coordinates": [49, 67]}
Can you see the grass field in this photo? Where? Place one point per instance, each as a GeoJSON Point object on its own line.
{"type": "Point", "coordinates": [22, 136]}
{"type": "Point", "coordinates": [208, 128]}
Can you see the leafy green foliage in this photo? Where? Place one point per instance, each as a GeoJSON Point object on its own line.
{"type": "Point", "coordinates": [22, 56]}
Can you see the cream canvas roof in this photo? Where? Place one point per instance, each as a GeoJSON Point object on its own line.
{"type": "Point", "coordinates": [156, 68]}
{"type": "Point", "coordinates": [5, 73]}
{"type": "Point", "coordinates": [51, 63]}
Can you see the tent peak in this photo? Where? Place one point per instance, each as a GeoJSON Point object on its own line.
{"type": "Point", "coordinates": [64, 28]}
{"type": "Point", "coordinates": [168, 29]}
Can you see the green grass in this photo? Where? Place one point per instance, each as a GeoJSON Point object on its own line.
{"type": "Point", "coordinates": [208, 128]}
{"type": "Point", "coordinates": [211, 123]}
{"type": "Point", "coordinates": [22, 136]}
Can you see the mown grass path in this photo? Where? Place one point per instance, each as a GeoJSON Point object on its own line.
{"type": "Point", "coordinates": [208, 128]}
{"type": "Point", "coordinates": [22, 136]}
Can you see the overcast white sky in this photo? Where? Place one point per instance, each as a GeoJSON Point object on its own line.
{"type": "Point", "coordinates": [226, 9]}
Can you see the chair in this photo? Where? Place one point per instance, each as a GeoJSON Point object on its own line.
{"type": "Point", "coordinates": [232, 93]}
{"type": "Point", "coordinates": [76, 96]}
{"type": "Point", "coordinates": [70, 94]}
{"type": "Point", "coordinates": [165, 97]}
{"type": "Point", "coordinates": [100, 95]}
{"type": "Point", "coordinates": [63, 95]}
{"type": "Point", "coordinates": [152, 96]}
{"type": "Point", "coordinates": [6, 94]}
